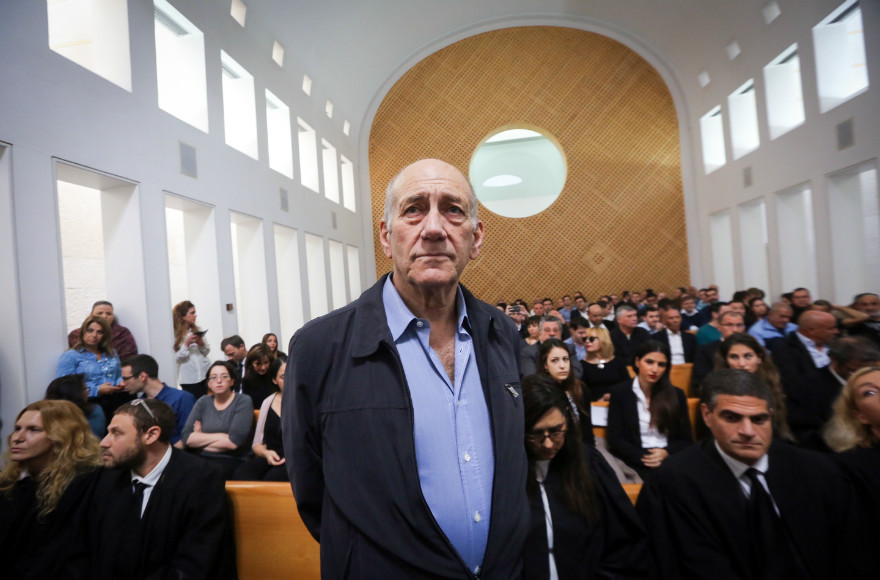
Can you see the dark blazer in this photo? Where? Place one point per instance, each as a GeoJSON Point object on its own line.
{"type": "Point", "coordinates": [529, 355]}
{"type": "Point", "coordinates": [184, 531]}
{"type": "Point", "coordinates": [861, 465]}
{"type": "Point", "coordinates": [612, 547]}
{"type": "Point", "coordinates": [624, 435]}
{"type": "Point", "coordinates": [704, 363]}
{"type": "Point", "coordinates": [809, 402]}
{"type": "Point", "coordinates": [688, 342]}
{"type": "Point", "coordinates": [791, 357]}
{"type": "Point", "coordinates": [695, 513]}
{"type": "Point", "coordinates": [625, 347]}
{"type": "Point", "coordinates": [347, 424]}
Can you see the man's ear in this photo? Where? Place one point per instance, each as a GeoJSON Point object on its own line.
{"type": "Point", "coordinates": [704, 410]}
{"type": "Point", "coordinates": [152, 435]}
{"type": "Point", "coordinates": [384, 233]}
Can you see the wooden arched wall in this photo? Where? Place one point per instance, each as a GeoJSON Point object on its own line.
{"type": "Point", "coordinates": [619, 222]}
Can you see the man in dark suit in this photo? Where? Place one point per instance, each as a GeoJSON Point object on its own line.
{"type": "Point", "coordinates": [550, 327]}
{"type": "Point", "coordinates": [804, 350]}
{"type": "Point", "coordinates": [682, 345]}
{"type": "Point", "coordinates": [627, 336]}
{"type": "Point", "coordinates": [704, 358]}
{"type": "Point", "coordinates": [741, 506]}
{"type": "Point", "coordinates": [158, 512]}
{"type": "Point", "coordinates": [596, 317]}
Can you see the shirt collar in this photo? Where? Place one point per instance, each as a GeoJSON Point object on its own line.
{"type": "Point", "coordinates": [400, 317]}
{"type": "Point", "coordinates": [152, 478]}
{"type": "Point", "coordinates": [809, 343]}
{"type": "Point", "coordinates": [737, 467]}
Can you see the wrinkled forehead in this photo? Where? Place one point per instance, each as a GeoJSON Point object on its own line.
{"type": "Point", "coordinates": [431, 176]}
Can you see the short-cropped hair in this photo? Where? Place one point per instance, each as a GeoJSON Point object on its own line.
{"type": "Point", "coordinates": [234, 340]}
{"type": "Point", "coordinates": [142, 363]}
{"type": "Point", "coordinates": [734, 382]}
{"type": "Point", "coordinates": [140, 411]}
{"type": "Point", "coordinates": [853, 348]}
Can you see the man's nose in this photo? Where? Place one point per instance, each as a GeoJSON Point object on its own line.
{"type": "Point", "coordinates": [747, 428]}
{"type": "Point", "coordinates": [432, 225]}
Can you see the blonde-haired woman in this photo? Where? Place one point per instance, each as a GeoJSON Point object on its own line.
{"type": "Point", "coordinates": [190, 350]}
{"type": "Point", "coordinates": [45, 485]}
{"type": "Point", "coordinates": [854, 432]}
{"type": "Point", "coordinates": [602, 370]}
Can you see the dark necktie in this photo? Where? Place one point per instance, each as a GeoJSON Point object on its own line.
{"type": "Point", "coordinates": [775, 557]}
{"type": "Point", "coordinates": [137, 497]}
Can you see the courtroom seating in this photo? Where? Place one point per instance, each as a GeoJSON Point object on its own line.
{"type": "Point", "coordinates": [694, 412]}
{"type": "Point", "coordinates": [271, 542]}
{"type": "Point", "coordinates": [680, 376]}
{"type": "Point", "coordinates": [632, 491]}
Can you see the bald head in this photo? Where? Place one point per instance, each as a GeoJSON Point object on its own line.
{"type": "Point", "coordinates": [427, 170]}
{"type": "Point", "coordinates": [820, 327]}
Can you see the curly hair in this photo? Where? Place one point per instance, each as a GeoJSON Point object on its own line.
{"type": "Point", "coordinates": [105, 346]}
{"type": "Point", "coordinates": [74, 450]}
{"type": "Point", "coordinates": [844, 431]}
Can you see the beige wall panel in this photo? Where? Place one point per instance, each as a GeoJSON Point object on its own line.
{"type": "Point", "coordinates": [619, 222]}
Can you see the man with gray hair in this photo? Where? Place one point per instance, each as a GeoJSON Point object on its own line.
{"type": "Point", "coordinates": [628, 335]}
{"type": "Point", "coordinates": [777, 324]}
{"type": "Point", "coordinates": [549, 327]}
{"type": "Point", "coordinates": [403, 418]}
{"type": "Point", "coordinates": [740, 505]}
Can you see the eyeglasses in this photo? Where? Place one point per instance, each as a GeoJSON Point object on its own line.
{"type": "Point", "coordinates": [591, 338]}
{"type": "Point", "coordinates": [126, 379]}
{"type": "Point", "coordinates": [143, 403]}
{"type": "Point", "coordinates": [556, 435]}
{"type": "Point", "coordinates": [212, 378]}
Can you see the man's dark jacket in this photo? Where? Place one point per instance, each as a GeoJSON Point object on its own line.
{"type": "Point", "coordinates": [350, 447]}
{"type": "Point", "coordinates": [184, 533]}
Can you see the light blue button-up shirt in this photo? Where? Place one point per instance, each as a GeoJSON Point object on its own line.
{"type": "Point", "coordinates": [453, 436]}
{"type": "Point", "coordinates": [763, 331]}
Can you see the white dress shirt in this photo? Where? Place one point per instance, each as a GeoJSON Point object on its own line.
{"type": "Point", "coordinates": [676, 347]}
{"type": "Point", "coordinates": [152, 478]}
{"type": "Point", "coordinates": [651, 437]}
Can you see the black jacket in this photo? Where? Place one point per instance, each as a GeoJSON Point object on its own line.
{"type": "Point", "coordinates": [348, 439]}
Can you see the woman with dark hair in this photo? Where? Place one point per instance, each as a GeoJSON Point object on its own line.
{"type": "Point", "coordinates": [190, 349]}
{"type": "Point", "coordinates": [73, 388]}
{"type": "Point", "coordinates": [756, 309]}
{"type": "Point", "coordinates": [582, 524]}
{"type": "Point", "coordinates": [93, 356]}
{"type": "Point", "coordinates": [532, 327]}
{"type": "Point", "coordinates": [268, 461]}
{"type": "Point", "coordinates": [742, 351]}
{"type": "Point", "coordinates": [554, 361]}
{"type": "Point", "coordinates": [45, 484]}
{"type": "Point", "coordinates": [259, 373]}
{"type": "Point", "coordinates": [270, 340]}
{"type": "Point", "coordinates": [219, 424]}
{"type": "Point", "coordinates": [647, 416]}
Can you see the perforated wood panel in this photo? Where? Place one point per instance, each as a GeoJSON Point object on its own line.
{"type": "Point", "coordinates": [619, 222]}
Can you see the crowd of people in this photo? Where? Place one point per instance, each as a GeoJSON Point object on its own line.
{"type": "Point", "coordinates": [416, 448]}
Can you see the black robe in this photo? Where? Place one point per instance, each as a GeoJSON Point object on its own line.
{"type": "Point", "coordinates": [694, 511]}
{"type": "Point", "coordinates": [613, 547]}
{"type": "Point", "coordinates": [862, 467]}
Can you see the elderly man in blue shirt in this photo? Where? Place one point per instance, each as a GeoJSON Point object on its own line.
{"type": "Point", "coordinates": [777, 324]}
{"type": "Point", "coordinates": [404, 430]}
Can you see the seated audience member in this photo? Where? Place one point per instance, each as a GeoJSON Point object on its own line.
{"type": "Point", "coordinates": [140, 378]}
{"type": "Point", "coordinates": [564, 307]}
{"type": "Point", "coordinates": [270, 341]}
{"type": "Point", "coordinates": [627, 336]}
{"type": "Point", "coordinates": [548, 327]}
{"type": "Point", "coordinates": [742, 505]}
{"type": "Point", "coordinates": [581, 308]}
{"type": "Point", "coordinates": [596, 315]}
{"type": "Point", "coordinates": [801, 301]}
{"type": "Point", "coordinates": [682, 345]}
{"type": "Point", "coordinates": [220, 422]}
{"type": "Point", "coordinates": [756, 310]}
{"type": "Point", "coordinates": [806, 349]}
{"type": "Point", "coordinates": [532, 332]}
{"type": "Point", "coordinates": [191, 349]}
{"type": "Point", "coordinates": [565, 334]}
{"type": "Point", "coordinates": [158, 512]}
{"type": "Point", "coordinates": [854, 433]}
{"type": "Point", "coordinates": [236, 353]}
{"type": "Point", "coordinates": [743, 351]}
{"type": "Point", "coordinates": [710, 331]}
{"type": "Point", "coordinates": [538, 307]}
{"type": "Point", "coordinates": [582, 525]}
{"type": "Point", "coordinates": [267, 464]}
{"type": "Point", "coordinates": [651, 319]}
{"type": "Point", "coordinates": [777, 324]}
{"type": "Point", "coordinates": [121, 339]}
{"type": "Point", "coordinates": [555, 362]}
{"type": "Point", "coordinates": [94, 357]}
{"type": "Point", "coordinates": [73, 388]}
{"type": "Point", "coordinates": [578, 330]}
{"type": "Point", "coordinates": [647, 416]}
{"type": "Point", "coordinates": [601, 369]}
{"type": "Point", "coordinates": [811, 398]}
{"type": "Point", "coordinates": [846, 316]}
{"type": "Point", "coordinates": [45, 484]}
{"type": "Point", "coordinates": [704, 358]}
{"type": "Point", "coordinates": [258, 382]}
{"type": "Point", "coordinates": [691, 317]}
{"type": "Point", "coordinates": [868, 303]}
{"type": "Point", "coordinates": [518, 314]}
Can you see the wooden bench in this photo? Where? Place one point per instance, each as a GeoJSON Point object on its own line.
{"type": "Point", "coordinates": [680, 376]}
{"type": "Point", "coordinates": [271, 542]}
